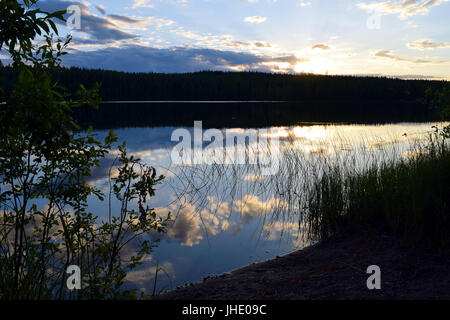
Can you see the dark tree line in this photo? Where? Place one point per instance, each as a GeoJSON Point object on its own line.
{"type": "Point", "coordinates": [311, 97]}
{"type": "Point", "coordinates": [214, 85]}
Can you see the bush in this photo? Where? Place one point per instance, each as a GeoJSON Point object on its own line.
{"type": "Point", "coordinates": [44, 159]}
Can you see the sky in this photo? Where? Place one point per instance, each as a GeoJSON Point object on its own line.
{"type": "Point", "coordinates": [401, 38]}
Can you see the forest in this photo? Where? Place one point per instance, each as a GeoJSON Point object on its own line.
{"type": "Point", "coordinates": [305, 98]}
{"type": "Point", "coordinates": [216, 85]}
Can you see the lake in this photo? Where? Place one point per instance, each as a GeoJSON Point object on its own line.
{"type": "Point", "coordinates": [231, 214]}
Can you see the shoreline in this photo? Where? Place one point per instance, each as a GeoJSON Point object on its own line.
{"type": "Point", "coordinates": [334, 269]}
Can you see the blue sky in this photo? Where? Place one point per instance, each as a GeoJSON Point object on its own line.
{"type": "Point", "coordinates": [406, 38]}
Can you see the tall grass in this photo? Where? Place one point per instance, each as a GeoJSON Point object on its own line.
{"type": "Point", "coordinates": [409, 197]}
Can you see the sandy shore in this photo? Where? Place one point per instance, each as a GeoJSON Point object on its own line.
{"type": "Point", "coordinates": [335, 269]}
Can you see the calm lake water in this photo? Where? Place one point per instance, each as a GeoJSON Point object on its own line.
{"type": "Point", "coordinates": [231, 215]}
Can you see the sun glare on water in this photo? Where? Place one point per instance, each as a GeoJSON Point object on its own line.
{"type": "Point", "coordinates": [310, 133]}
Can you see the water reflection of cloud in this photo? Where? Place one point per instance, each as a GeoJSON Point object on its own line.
{"type": "Point", "coordinates": [144, 278]}
{"type": "Point", "coordinates": [251, 206]}
{"type": "Point", "coordinates": [227, 212]}
{"type": "Point", "coordinates": [102, 171]}
{"type": "Point", "coordinates": [186, 226]}
{"type": "Point", "coordinates": [253, 177]}
{"type": "Point", "coordinates": [220, 208]}
{"type": "Point", "coordinates": [191, 224]}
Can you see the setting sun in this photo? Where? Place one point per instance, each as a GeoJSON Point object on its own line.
{"type": "Point", "coordinates": [316, 65]}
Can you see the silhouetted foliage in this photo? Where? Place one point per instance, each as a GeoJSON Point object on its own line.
{"type": "Point", "coordinates": [45, 222]}
{"type": "Point", "coordinates": [439, 100]}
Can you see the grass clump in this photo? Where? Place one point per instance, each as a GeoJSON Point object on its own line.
{"type": "Point", "coordinates": [409, 197]}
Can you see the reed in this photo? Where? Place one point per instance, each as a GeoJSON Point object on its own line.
{"type": "Point", "coordinates": [408, 197]}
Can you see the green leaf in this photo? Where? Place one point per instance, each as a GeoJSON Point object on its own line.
{"type": "Point", "coordinates": [53, 26]}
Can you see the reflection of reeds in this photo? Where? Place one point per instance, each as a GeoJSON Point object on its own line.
{"type": "Point", "coordinates": [315, 185]}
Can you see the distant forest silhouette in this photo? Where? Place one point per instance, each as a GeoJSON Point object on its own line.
{"type": "Point", "coordinates": [308, 98]}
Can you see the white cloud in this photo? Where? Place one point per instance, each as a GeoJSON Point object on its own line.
{"type": "Point", "coordinates": [246, 44]}
{"type": "Point", "coordinates": [321, 46]}
{"type": "Point", "coordinates": [303, 4]}
{"type": "Point", "coordinates": [386, 54]}
{"type": "Point", "coordinates": [255, 19]}
{"type": "Point", "coordinates": [149, 4]}
{"type": "Point", "coordinates": [427, 44]}
{"type": "Point", "coordinates": [142, 3]}
{"type": "Point", "coordinates": [404, 9]}
{"type": "Point", "coordinates": [101, 9]}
